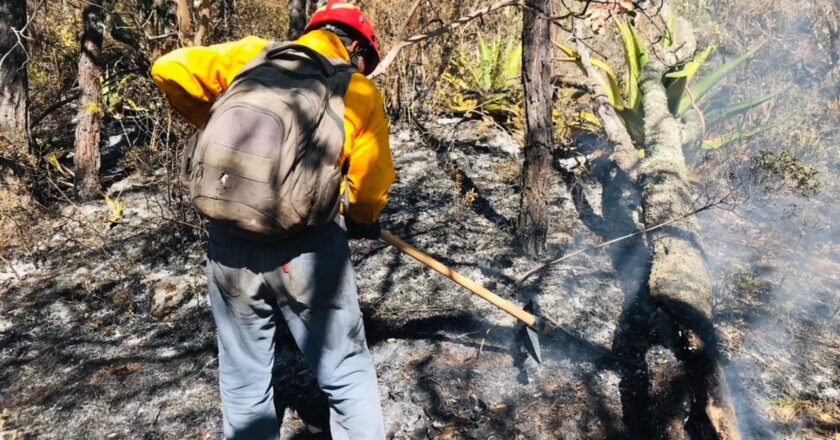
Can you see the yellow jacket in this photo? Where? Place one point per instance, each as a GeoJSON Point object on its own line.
{"type": "Point", "coordinates": [192, 78]}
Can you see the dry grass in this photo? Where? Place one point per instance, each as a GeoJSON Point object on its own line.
{"type": "Point", "coordinates": [821, 419]}
{"type": "Point", "coordinates": [462, 198]}
{"type": "Point", "coordinates": [16, 216]}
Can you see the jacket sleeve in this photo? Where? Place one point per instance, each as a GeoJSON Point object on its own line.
{"type": "Point", "coordinates": [371, 170]}
{"type": "Point", "coordinates": [192, 77]}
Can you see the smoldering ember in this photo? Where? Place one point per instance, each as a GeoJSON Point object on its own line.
{"type": "Point", "coordinates": [566, 219]}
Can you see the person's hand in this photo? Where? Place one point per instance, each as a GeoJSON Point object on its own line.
{"type": "Point", "coordinates": [356, 230]}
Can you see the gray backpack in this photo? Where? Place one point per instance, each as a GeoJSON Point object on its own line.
{"type": "Point", "coordinates": [266, 160]}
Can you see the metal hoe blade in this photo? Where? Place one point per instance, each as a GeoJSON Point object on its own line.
{"type": "Point", "coordinates": [531, 339]}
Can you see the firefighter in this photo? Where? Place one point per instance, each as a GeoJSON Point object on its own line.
{"type": "Point", "coordinates": [306, 280]}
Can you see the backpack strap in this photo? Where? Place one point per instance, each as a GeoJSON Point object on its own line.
{"type": "Point", "coordinates": [287, 50]}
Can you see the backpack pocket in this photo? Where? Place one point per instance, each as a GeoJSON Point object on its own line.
{"type": "Point", "coordinates": [185, 174]}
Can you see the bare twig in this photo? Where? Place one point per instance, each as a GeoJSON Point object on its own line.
{"type": "Point", "coordinates": [411, 11]}
{"type": "Point", "coordinates": [699, 112]}
{"type": "Point", "coordinates": [161, 36]}
{"type": "Point", "coordinates": [414, 39]}
{"type": "Point", "coordinates": [709, 205]}
{"type": "Point", "coordinates": [14, 271]}
{"type": "Point", "coordinates": [20, 37]}
{"type": "Point", "coordinates": [55, 106]}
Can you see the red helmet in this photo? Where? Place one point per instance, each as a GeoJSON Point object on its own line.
{"type": "Point", "coordinates": [336, 11]}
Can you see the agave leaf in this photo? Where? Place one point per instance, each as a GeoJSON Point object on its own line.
{"type": "Point", "coordinates": [512, 67]}
{"type": "Point", "coordinates": [117, 207]}
{"type": "Point", "coordinates": [641, 49]}
{"type": "Point", "coordinates": [631, 57]}
{"type": "Point", "coordinates": [52, 159]}
{"type": "Point", "coordinates": [475, 76]}
{"type": "Point", "coordinates": [589, 118]}
{"type": "Point", "coordinates": [610, 85]}
{"type": "Point", "coordinates": [735, 109]}
{"type": "Point", "coordinates": [690, 69]}
{"type": "Point", "coordinates": [567, 50]}
{"type": "Point", "coordinates": [485, 64]}
{"type": "Point", "coordinates": [465, 106]}
{"type": "Point", "coordinates": [134, 107]}
{"type": "Point", "coordinates": [724, 139]}
{"type": "Point", "coordinates": [669, 35]}
{"type": "Point", "coordinates": [455, 82]}
{"type": "Point", "coordinates": [492, 107]}
{"type": "Point", "coordinates": [712, 78]}
{"type": "Point", "coordinates": [495, 62]}
{"type": "Point", "coordinates": [681, 77]}
{"type": "Point", "coordinates": [586, 121]}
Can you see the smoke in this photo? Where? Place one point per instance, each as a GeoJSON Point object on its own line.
{"type": "Point", "coordinates": [775, 253]}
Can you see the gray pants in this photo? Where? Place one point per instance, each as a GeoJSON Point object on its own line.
{"type": "Point", "coordinates": [310, 282]}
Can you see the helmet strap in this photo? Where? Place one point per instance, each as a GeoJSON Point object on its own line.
{"type": "Point", "coordinates": [359, 53]}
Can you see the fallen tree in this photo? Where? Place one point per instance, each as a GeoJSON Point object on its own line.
{"type": "Point", "coordinates": [679, 280]}
{"type": "Point", "coordinates": [685, 387]}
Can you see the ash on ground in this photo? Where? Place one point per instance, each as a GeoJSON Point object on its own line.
{"type": "Point", "coordinates": [81, 356]}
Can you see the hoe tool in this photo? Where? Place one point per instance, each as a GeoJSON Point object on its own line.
{"type": "Point", "coordinates": [533, 322]}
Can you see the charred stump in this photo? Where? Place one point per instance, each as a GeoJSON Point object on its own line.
{"type": "Point", "coordinates": [87, 159]}
{"type": "Point", "coordinates": [532, 227]}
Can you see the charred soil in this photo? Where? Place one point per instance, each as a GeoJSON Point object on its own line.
{"type": "Point", "coordinates": [81, 357]}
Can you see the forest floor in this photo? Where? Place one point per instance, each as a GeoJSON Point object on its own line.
{"type": "Point", "coordinates": [81, 356]}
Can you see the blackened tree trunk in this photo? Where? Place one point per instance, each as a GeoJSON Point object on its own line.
{"type": "Point", "coordinates": [532, 227]}
{"type": "Point", "coordinates": [297, 18]}
{"type": "Point", "coordinates": [90, 113]}
{"type": "Point", "coordinates": [13, 79]}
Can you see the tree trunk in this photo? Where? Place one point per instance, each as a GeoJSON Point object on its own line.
{"type": "Point", "coordinates": [227, 15]}
{"type": "Point", "coordinates": [532, 227]}
{"type": "Point", "coordinates": [679, 280]}
{"type": "Point", "coordinates": [90, 114]}
{"type": "Point", "coordinates": [203, 7]}
{"type": "Point", "coordinates": [184, 15]}
{"type": "Point", "coordinates": [13, 78]}
{"type": "Point", "coordinates": [297, 18]}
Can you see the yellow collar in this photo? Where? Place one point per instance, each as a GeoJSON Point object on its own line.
{"type": "Point", "coordinates": [324, 42]}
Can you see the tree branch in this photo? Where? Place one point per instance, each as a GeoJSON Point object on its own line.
{"type": "Point", "coordinates": [721, 201]}
{"type": "Point", "coordinates": [624, 152]}
{"type": "Point", "coordinates": [74, 95]}
{"type": "Point", "coordinates": [414, 39]}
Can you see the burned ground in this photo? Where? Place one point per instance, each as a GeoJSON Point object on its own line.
{"type": "Point", "coordinates": [80, 356]}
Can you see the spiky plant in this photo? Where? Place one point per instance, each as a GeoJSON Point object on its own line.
{"type": "Point", "coordinates": [684, 94]}
{"type": "Point", "coordinates": [485, 82]}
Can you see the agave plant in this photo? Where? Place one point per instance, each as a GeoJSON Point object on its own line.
{"type": "Point", "coordinates": [486, 82]}
{"type": "Point", "coordinates": [681, 97]}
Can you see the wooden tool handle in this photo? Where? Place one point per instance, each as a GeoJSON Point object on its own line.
{"type": "Point", "coordinates": [465, 282]}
